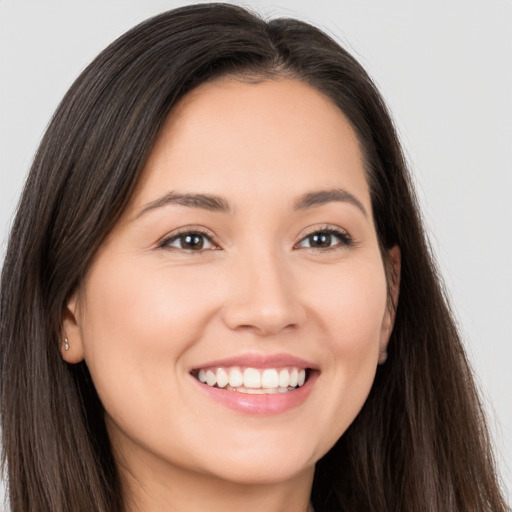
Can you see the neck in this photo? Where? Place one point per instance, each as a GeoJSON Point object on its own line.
{"type": "Point", "coordinates": [171, 490]}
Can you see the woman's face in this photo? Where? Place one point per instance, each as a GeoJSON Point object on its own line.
{"type": "Point", "coordinates": [247, 257]}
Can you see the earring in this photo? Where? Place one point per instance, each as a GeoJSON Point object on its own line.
{"type": "Point", "coordinates": [66, 344]}
{"type": "Point", "coordinates": [383, 356]}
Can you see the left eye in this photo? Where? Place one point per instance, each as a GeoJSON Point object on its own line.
{"type": "Point", "coordinates": [190, 241]}
{"type": "Point", "coordinates": [325, 239]}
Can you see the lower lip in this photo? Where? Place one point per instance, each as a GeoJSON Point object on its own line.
{"type": "Point", "coordinates": [277, 403]}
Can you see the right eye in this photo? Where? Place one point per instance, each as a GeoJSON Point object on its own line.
{"type": "Point", "coordinates": [189, 241]}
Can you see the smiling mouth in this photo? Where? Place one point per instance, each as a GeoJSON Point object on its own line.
{"type": "Point", "coordinates": [255, 381]}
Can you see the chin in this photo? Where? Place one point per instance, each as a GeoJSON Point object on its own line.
{"type": "Point", "coordinates": [262, 474]}
{"type": "Point", "coordinates": [262, 466]}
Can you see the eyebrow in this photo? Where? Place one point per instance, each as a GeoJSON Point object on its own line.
{"type": "Point", "coordinates": [321, 197]}
{"type": "Point", "coordinates": [203, 201]}
{"type": "Point", "coordinates": [219, 204]}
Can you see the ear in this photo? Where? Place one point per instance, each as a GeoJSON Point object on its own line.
{"type": "Point", "coordinates": [72, 350]}
{"type": "Point", "coordinates": [392, 265]}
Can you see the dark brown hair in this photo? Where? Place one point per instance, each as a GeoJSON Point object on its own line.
{"type": "Point", "coordinates": [419, 443]}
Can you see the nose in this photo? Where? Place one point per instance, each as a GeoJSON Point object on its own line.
{"type": "Point", "coordinates": [263, 296]}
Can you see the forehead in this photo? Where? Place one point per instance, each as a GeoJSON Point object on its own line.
{"type": "Point", "coordinates": [272, 137]}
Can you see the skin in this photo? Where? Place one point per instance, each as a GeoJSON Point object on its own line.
{"type": "Point", "coordinates": [146, 314]}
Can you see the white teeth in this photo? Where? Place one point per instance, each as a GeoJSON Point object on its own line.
{"type": "Point", "coordinates": [253, 380]}
{"type": "Point", "coordinates": [222, 378]}
{"type": "Point", "coordinates": [294, 376]}
{"type": "Point", "coordinates": [211, 378]}
{"type": "Point", "coordinates": [269, 379]}
{"type": "Point", "coordinates": [255, 391]}
{"type": "Point", "coordinates": [284, 378]}
{"type": "Point", "coordinates": [236, 378]}
{"type": "Point", "coordinates": [262, 391]}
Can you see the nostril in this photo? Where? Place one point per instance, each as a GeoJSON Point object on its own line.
{"type": "Point", "coordinates": [264, 311]}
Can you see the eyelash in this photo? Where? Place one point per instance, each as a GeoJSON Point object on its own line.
{"type": "Point", "coordinates": [346, 239]}
{"type": "Point", "coordinates": [164, 244]}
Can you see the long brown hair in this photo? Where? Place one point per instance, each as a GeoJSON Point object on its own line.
{"type": "Point", "coordinates": [420, 442]}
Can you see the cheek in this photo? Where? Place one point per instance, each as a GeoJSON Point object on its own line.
{"type": "Point", "coordinates": [352, 307]}
{"type": "Point", "coordinates": [352, 310]}
{"type": "Point", "coordinates": [137, 322]}
{"type": "Point", "coordinates": [142, 307]}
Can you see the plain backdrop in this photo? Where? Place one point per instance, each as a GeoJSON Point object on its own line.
{"type": "Point", "coordinates": [445, 69]}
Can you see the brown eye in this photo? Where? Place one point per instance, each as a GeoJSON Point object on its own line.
{"type": "Point", "coordinates": [320, 240]}
{"type": "Point", "coordinates": [189, 241]}
{"type": "Point", "coordinates": [326, 239]}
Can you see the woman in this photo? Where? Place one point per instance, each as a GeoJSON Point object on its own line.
{"type": "Point", "coordinates": [218, 294]}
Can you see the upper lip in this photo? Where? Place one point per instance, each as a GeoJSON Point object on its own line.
{"type": "Point", "coordinates": [255, 360]}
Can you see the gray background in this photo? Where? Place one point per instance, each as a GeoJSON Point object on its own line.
{"type": "Point", "coordinates": [445, 68]}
